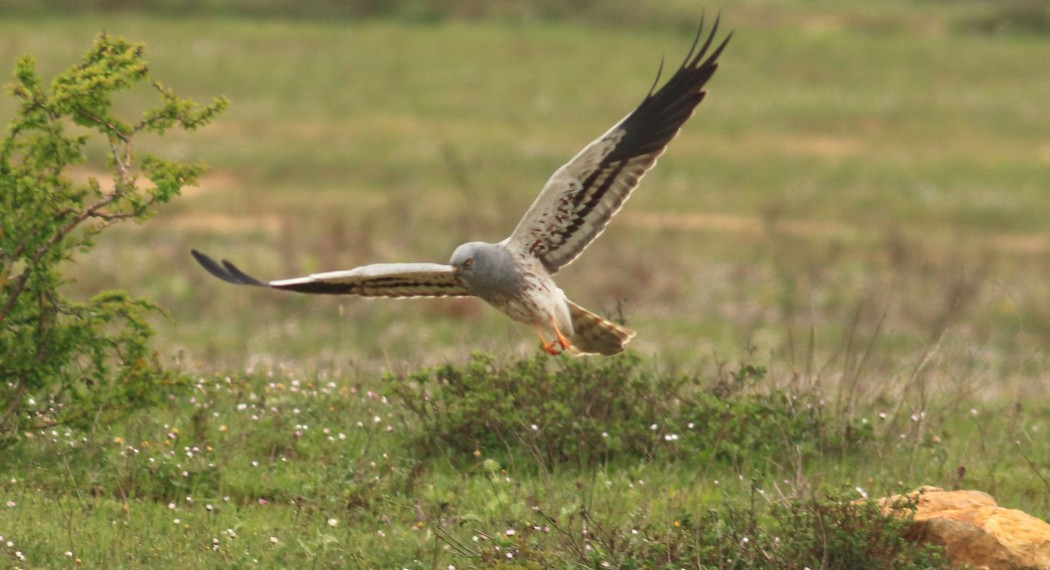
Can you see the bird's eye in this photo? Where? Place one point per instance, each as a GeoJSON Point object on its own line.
{"type": "Point", "coordinates": [469, 262]}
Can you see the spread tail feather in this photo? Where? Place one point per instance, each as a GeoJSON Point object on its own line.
{"type": "Point", "coordinates": [595, 335]}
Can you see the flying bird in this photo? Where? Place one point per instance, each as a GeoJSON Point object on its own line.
{"type": "Point", "coordinates": [515, 275]}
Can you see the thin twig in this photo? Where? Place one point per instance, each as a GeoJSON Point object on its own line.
{"type": "Point", "coordinates": [452, 542]}
{"type": "Point", "coordinates": [1031, 465]}
{"type": "Point", "coordinates": [23, 278]}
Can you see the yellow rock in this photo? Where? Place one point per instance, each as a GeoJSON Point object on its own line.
{"type": "Point", "coordinates": [975, 531]}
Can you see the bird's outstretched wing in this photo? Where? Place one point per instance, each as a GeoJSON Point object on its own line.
{"type": "Point", "coordinates": [378, 280]}
{"type": "Point", "coordinates": [583, 195]}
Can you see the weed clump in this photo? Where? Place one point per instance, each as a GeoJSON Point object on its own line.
{"type": "Point", "coordinates": [826, 530]}
{"type": "Point", "coordinates": [834, 532]}
{"type": "Point", "coordinates": [587, 412]}
{"type": "Point", "coordinates": [580, 411]}
{"type": "Point", "coordinates": [736, 422]}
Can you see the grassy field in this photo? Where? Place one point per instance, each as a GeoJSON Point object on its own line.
{"type": "Point", "coordinates": [859, 208]}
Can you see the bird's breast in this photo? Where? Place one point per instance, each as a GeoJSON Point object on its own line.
{"type": "Point", "coordinates": [533, 299]}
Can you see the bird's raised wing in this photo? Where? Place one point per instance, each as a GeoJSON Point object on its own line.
{"type": "Point", "coordinates": [583, 195]}
{"type": "Point", "coordinates": [378, 280]}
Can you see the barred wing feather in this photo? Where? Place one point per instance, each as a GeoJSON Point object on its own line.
{"type": "Point", "coordinates": [583, 195]}
{"type": "Point", "coordinates": [377, 280]}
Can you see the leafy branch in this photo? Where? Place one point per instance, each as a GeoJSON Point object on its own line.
{"type": "Point", "coordinates": [53, 348]}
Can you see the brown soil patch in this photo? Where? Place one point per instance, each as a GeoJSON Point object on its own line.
{"type": "Point", "coordinates": [223, 224]}
{"type": "Point", "coordinates": [822, 24]}
{"type": "Point", "coordinates": [753, 226]}
{"type": "Point", "coordinates": [1043, 152]}
{"type": "Point", "coordinates": [828, 146]}
{"type": "Point", "coordinates": [214, 181]}
{"type": "Point", "coordinates": [729, 223]}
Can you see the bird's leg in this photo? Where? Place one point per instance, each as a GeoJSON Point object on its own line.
{"type": "Point", "coordinates": [548, 347]}
{"type": "Point", "coordinates": [564, 342]}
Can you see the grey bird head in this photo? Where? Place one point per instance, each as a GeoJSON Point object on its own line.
{"type": "Point", "coordinates": [487, 269]}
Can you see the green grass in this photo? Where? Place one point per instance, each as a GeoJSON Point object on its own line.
{"type": "Point", "coordinates": [859, 205]}
{"type": "Point", "coordinates": [341, 472]}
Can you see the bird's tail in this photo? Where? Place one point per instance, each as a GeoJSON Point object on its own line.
{"type": "Point", "coordinates": [595, 335]}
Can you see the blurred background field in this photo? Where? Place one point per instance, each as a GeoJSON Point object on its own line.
{"type": "Point", "coordinates": [861, 174]}
{"type": "Point", "coordinates": [860, 205]}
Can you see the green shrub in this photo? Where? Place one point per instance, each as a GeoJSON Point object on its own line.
{"type": "Point", "coordinates": [575, 411]}
{"type": "Point", "coordinates": [587, 411]}
{"type": "Point", "coordinates": [1011, 17]}
{"type": "Point", "coordinates": [64, 361]}
{"type": "Point", "coordinates": [737, 422]}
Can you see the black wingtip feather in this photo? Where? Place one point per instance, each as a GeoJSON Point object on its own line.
{"type": "Point", "coordinates": [227, 271]}
{"type": "Point", "coordinates": [690, 60]}
{"type": "Point", "coordinates": [663, 111]}
{"type": "Point", "coordinates": [719, 49]}
{"type": "Point", "coordinates": [241, 276]}
{"type": "Point", "coordinates": [659, 72]}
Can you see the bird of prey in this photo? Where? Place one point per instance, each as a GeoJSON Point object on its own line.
{"type": "Point", "coordinates": [514, 275]}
